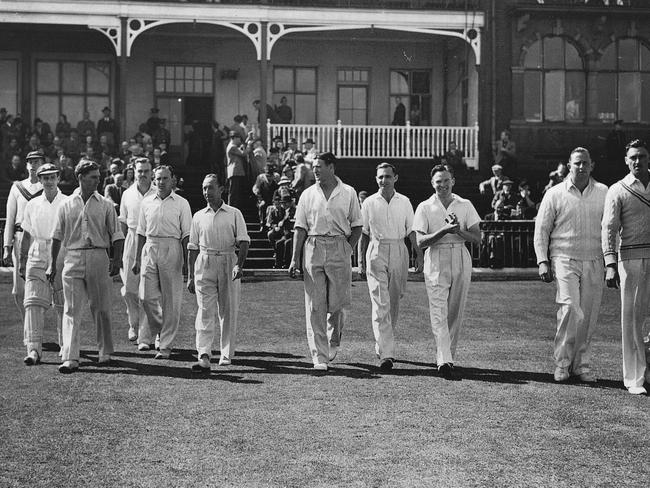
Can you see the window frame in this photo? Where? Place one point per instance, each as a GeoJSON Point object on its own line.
{"type": "Point", "coordinates": [183, 93]}
{"type": "Point", "coordinates": [353, 84]}
{"type": "Point", "coordinates": [292, 102]}
{"type": "Point", "coordinates": [411, 93]}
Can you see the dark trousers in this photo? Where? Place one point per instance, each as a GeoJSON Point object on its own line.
{"type": "Point", "coordinates": [236, 191]}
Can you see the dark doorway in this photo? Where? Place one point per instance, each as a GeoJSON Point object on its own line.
{"type": "Point", "coordinates": [197, 115]}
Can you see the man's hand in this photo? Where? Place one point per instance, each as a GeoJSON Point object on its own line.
{"type": "Point", "coordinates": [22, 268]}
{"type": "Point", "coordinates": [545, 272]}
{"type": "Point", "coordinates": [113, 267]}
{"type": "Point", "coordinates": [50, 273]}
{"type": "Point", "coordinates": [294, 270]}
{"type": "Point", "coordinates": [6, 257]}
{"type": "Point", "coordinates": [136, 267]}
{"type": "Point", "coordinates": [451, 228]}
{"type": "Point", "coordinates": [419, 262]}
{"type": "Point", "coordinates": [611, 277]}
{"type": "Point", "coordinates": [237, 272]}
{"type": "Point", "coordinates": [190, 285]}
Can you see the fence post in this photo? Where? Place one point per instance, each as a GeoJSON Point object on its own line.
{"type": "Point", "coordinates": [268, 134]}
{"type": "Point", "coordinates": [408, 139]}
{"type": "Point", "coordinates": [339, 129]}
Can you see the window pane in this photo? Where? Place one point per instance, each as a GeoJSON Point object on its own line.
{"type": "Point", "coordinates": [645, 58]}
{"type": "Point", "coordinates": [207, 73]}
{"type": "Point", "coordinates": [305, 110]}
{"type": "Point", "coordinates": [364, 75]}
{"type": "Point", "coordinates": [533, 57]}
{"type": "Point", "coordinates": [575, 96]}
{"type": "Point", "coordinates": [99, 78]}
{"type": "Point", "coordinates": [553, 53]}
{"type": "Point", "coordinates": [645, 97]}
{"type": "Point", "coordinates": [306, 80]}
{"type": "Point", "coordinates": [160, 71]}
{"type": "Point", "coordinates": [9, 85]}
{"type": "Point", "coordinates": [606, 96]}
{"type": "Point", "coordinates": [533, 96]}
{"type": "Point", "coordinates": [341, 75]}
{"type": "Point", "coordinates": [345, 116]}
{"type": "Point", "coordinates": [572, 58]}
{"type": "Point", "coordinates": [359, 97]}
{"type": "Point", "coordinates": [73, 77]}
{"type": "Point", "coordinates": [359, 117]}
{"type": "Point", "coordinates": [283, 80]}
{"type": "Point", "coordinates": [160, 85]}
{"type": "Point", "coordinates": [96, 104]}
{"type": "Point", "coordinates": [421, 82]}
{"type": "Point", "coordinates": [179, 85]}
{"type": "Point", "coordinates": [169, 72]}
{"type": "Point", "coordinates": [198, 73]}
{"type": "Point", "coordinates": [207, 87]}
{"type": "Point", "coordinates": [399, 83]}
{"type": "Point", "coordinates": [47, 108]}
{"type": "Point", "coordinates": [179, 72]}
{"type": "Point", "coordinates": [628, 55]}
{"type": "Point", "coordinates": [608, 59]}
{"type": "Point", "coordinates": [345, 97]}
{"type": "Point", "coordinates": [629, 96]}
{"type": "Point", "coordinates": [47, 76]}
{"type": "Point", "coordinates": [72, 106]}
{"type": "Point", "coordinates": [554, 95]}
{"type": "Point", "coordinates": [189, 86]}
{"type": "Point", "coordinates": [169, 86]}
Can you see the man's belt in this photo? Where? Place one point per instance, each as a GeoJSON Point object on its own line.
{"type": "Point", "coordinates": [213, 252]}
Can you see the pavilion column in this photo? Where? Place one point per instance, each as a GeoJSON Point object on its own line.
{"type": "Point", "coordinates": [263, 81]}
{"type": "Point", "coordinates": [120, 106]}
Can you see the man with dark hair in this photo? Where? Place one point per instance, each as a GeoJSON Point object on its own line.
{"type": "Point", "coordinates": [328, 226]}
{"type": "Point", "coordinates": [236, 170]}
{"type": "Point", "coordinates": [567, 245]}
{"type": "Point", "coordinates": [215, 272]}
{"type": "Point", "coordinates": [107, 126]}
{"type": "Point", "coordinates": [443, 224]}
{"type": "Point", "coordinates": [86, 227]}
{"type": "Point", "coordinates": [21, 192]}
{"type": "Point", "coordinates": [387, 222]}
{"type": "Point", "coordinates": [160, 259]}
{"type": "Point", "coordinates": [627, 217]}
{"type": "Point", "coordinates": [271, 114]}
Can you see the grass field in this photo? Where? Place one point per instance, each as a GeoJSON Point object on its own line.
{"type": "Point", "coordinates": [268, 420]}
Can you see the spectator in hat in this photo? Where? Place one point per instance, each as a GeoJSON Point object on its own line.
{"type": "Point", "coordinates": [20, 193]}
{"type": "Point", "coordinates": [310, 153]}
{"type": "Point", "coordinates": [107, 126]}
{"type": "Point", "coordinates": [505, 201]}
{"type": "Point", "coordinates": [86, 126]}
{"type": "Point", "coordinates": [274, 215]}
{"type": "Point", "coordinates": [557, 176]}
{"type": "Point", "coordinates": [265, 186]}
{"type": "Point", "coordinates": [291, 152]}
{"type": "Point", "coordinates": [493, 184]}
{"type": "Point", "coordinates": [284, 245]}
{"type": "Point", "coordinates": [284, 111]}
{"type": "Point", "coordinates": [37, 224]}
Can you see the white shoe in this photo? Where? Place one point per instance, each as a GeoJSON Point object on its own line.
{"type": "Point", "coordinates": [334, 350]}
{"type": "Point", "coordinates": [637, 390]}
{"type": "Point", "coordinates": [133, 334]}
{"type": "Point", "coordinates": [224, 361]}
{"type": "Point", "coordinates": [32, 358]}
{"type": "Point", "coordinates": [69, 367]}
{"type": "Point", "coordinates": [202, 365]}
{"type": "Point", "coordinates": [320, 367]}
{"type": "Point", "coordinates": [143, 347]}
{"type": "Point", "coordinates": [157, 342]}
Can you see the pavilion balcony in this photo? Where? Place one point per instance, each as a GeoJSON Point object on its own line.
{"type": "Point", "coordinates": [382, 141]}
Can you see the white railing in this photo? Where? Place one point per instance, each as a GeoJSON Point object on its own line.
{"type": "Point", "coordinates": [382, 141]}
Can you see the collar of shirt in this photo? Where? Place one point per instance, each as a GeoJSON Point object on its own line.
{"type": "Point", "coordinates": [396, 196]}
{"type": "Point", "coordinates": [632, 180]}
{"type": "Point", "coordinates": [172, 195]}
{"type": "Point", "coordinates": [95, 194]}
{"type": "Point", "coordinates": [225, 208]}
{"type": "Point", "coordinates": [568, 185]}
{"type": "Point", "coordinates": [436, 201]}
{"type": "Point", "coordinates": [335, 191]}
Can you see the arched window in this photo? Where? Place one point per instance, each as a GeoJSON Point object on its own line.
{"type": "Point", "coordinates": [622, 82]}
{"type": "Point", "coordinates": [554, 82]}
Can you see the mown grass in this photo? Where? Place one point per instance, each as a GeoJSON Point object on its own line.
{"type": "Point", "coordinates": [268, 420]}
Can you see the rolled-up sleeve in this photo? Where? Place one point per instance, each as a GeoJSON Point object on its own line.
{"type": "Point", "coordinates": [240, 227]}
{"type": "Point", "coordinates": [420, 223]}
{"type": "Point", "coordinates": [610, 226]}
{"type": "Point", "coordinates": [58, 231]}
{"type": "Point", "coordinates": [355, 211]}
{"type": "Point", "coordinates": [543, 227]}
{"type": "Point", "coordinates": [193, 244]}
{"type": "Point", "coordinates": [113, 224]}
{"type": "Point", "coordinates": [186, 219]}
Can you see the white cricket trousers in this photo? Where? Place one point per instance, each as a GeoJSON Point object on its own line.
{"type": "Point", "coordinates": [327, 270]}
{"type": "Point", "coordinates": [579, 293]}
{"type": "Point", "coordinates": [635, 291]}
{"type": "Point", "coordinates": [161, 290]}
{"type": "Point", "coordinates": [86, 280]}
{"type": "Point", "coordinates": [131, 283]}
{"type": "Point", "coordinates": [39, 295]}
{"type": "Point", "coordinates": [387, 262]}
{"type": "Point", "coordinates": [217, 297]}
{"type": "Point", "coordinates": [447, 275]}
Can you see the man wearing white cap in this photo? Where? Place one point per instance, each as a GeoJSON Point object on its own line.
{"type": "Point", "coordinates": [387, 221]}
{"type": "Point", "coordinates": [87, 227]}
{"type": "Point", "coordinates": [443, 224]}
{"type": "Point", "coordinates": [215, 272]}
{"type": "Point", "coordinates": [37, 226]}
{"type": "Point", "coordinates": [21, 192]}
{"type": "Point", "coordinates": [161, 256]}
{"type": "Point", "coordinates": [129, 216]}
{"type": "Point", "coordinates": [310, 153]}
{"type": "Point", "coordinates": [328, 226]}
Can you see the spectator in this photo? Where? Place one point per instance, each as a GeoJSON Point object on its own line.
{"type": "Point", "coordinates": [505, 152]}
{"type": "Point", "coordinates": [236, 170]}
{"type": "Point", "coordinates": [218, 150]}
{"type": "Point", "coordinates": [153, 122]}
{"type": "Point", "coordinates": [526, 208]}
{"type": "Point", "coordinates": [274, 215]}
{"type": "Point", "coordinates": [270, 113]}
{"type": "Point", "coordinates": [128, 176]}
{"type": "Point", "coordinates": [273, 156]}
{"type": "Point", "coordinates": [163, 134]}
{"type": "Point", "coordinates": [504, 202]}
{"type": "Point", "coordinates": [41, 130]}
{"type": "Point", "coordinates": [303, 179]}
{"type": "Point", "coordinates": [237, 128]}
{"type": "Point", "coordinates": [309, 151]}
{"type": "Point", "coordinates": [284, 245]}
{"type": "Point", "coordinates": [455, 158]}
{"type": "Point", "coordinates": [33, 144]}
{"type": "Point", "coordinates": [10, 150]}
{"type": "Point", "coordinates": [8, 130]}
{"type": "Point", "coordinates": [113, 191]}
{"type": "Point", "coordinates": [86, 127]}
{"type": "Point", "coordinates": [107, 126]}
{"type": "Point", "coordinates": [16, 169]}
{"type": "Point", "coordinates": [399, 116]}
{"type": "Point", "coordinates": [72, 145]}
{"type": "Point", "coordinates": [415, 115]}
{"type": "Point", "coordinates": [265, 186]}
{"type": "Point", "coordinates": [114, 169]}
{"type": "Point", "coordinates": [284, 112]}
{"type": "Point", "coordinates": [257, 156]}
{"type": "Point", "coordinates": [291, 152]}
{"type": "Point", "coordinates": [62, 127]}
{"type": "Point", "coordinates": [495, 182]}
{"type": "Point", "coordinates": [556, 176]}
